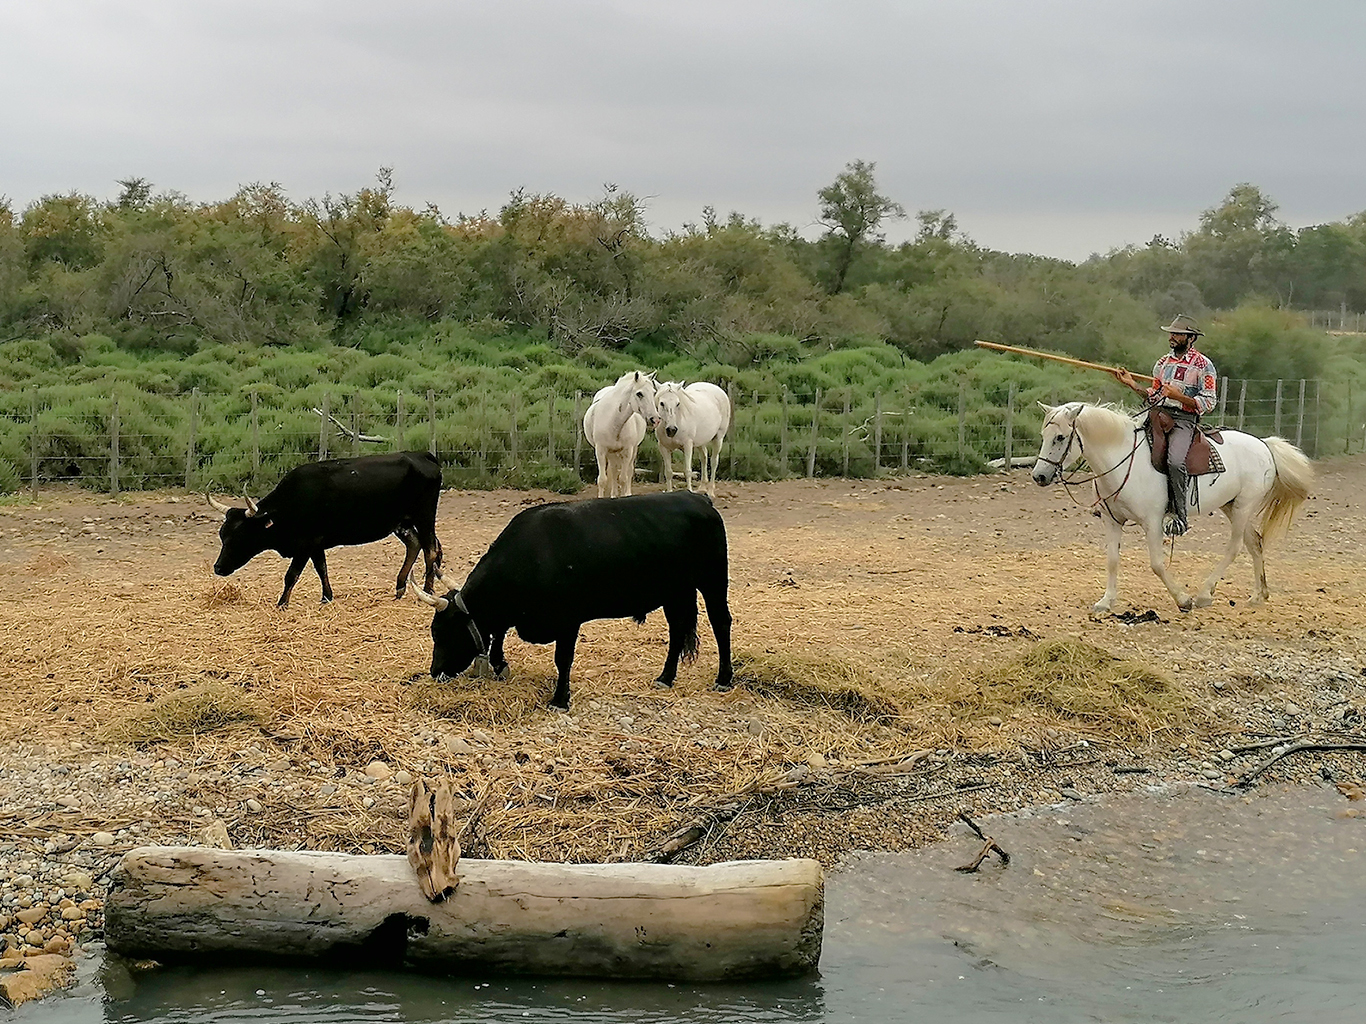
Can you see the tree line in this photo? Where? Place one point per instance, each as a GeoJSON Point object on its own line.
{"type": "Point", "coordinates": [157, 273]}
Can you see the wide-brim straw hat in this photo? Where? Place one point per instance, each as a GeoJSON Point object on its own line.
{"type": "Point", "coordinates": [1182, 324]}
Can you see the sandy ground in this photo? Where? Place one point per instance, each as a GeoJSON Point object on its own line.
{"type": "Point", "coordinates": [108, 603]}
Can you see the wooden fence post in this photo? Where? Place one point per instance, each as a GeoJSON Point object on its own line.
{"type": "Point", "coordinates": [33, 441]}
{"type": "Point", "coordinates": [1223, 398]}
{"type": "Point", "coordinates": [398, 421]}
{"type": "Point", "coordinates": [962, 416]}
{"type": "Point", "coordinates": [355, 423]}
{"type": "Point", "coordinates": [512, 434]}
{"type": "Point", "coordinates": [578, 428]}
{"type": "Point", "coordinates": [326, 428]}
{"type": "Point", "coordinates": [431, 422]}
{"type": "Point", "coordinates": [1299, 421]}
{"type": "Point", "coordinates": [1242, 403]}
{"type": "Point", "coordinates": [114, 446]}
{"type": "Point", "coordinates": [734, 420]}
{"type": "Point", "coordinates": [194, 430]}
{"type": "Point", "coordinates": [844, 432]}
{"type": "Point", "coordinates": [550, 430]}
{"type": "Point", "coordinates": [482, 421]}
{"type": "Point", "coordinates": [782, 434]}
{"type": "Point", "coordinates": [1010, 426]}
{"type": "Point", "coordinates": [906, 434]}
{"type": "Point", "coordinates": [255, 439]}
{"type": "Point", "coordinates": [1276, 429]}
{"type": "Point", "coordinates": [1347, 431]}
{"type": "Point", "coordinates": [877, 432]}
{"type": "Point", "coordinates": [1318, 414]}
{"type": "Point", "coordinates": [815, 425]}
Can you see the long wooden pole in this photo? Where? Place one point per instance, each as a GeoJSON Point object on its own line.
{"type": "Point", "coordinates": [1058, 359]}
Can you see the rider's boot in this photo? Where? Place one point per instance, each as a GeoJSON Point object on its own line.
{"type": "Point", "coordinates": [1178, 482]}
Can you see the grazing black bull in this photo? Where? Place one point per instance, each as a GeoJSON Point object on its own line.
{"type": "Point", "coordinates": [555, 567]}
{"type": "Point", "coordinates": [322, 505]}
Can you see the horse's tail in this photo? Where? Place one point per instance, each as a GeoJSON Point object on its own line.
{"type": "Point", "coordinates": [1294, 478]}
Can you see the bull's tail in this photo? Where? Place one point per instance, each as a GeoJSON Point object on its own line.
{"type": "Point", "coordinates": [1294, 478]}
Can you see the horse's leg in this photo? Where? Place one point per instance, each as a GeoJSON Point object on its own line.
{"type": "Point", "coordinates": [1253, 540]}
{"type": "Point", "coordinates": [627, 471]}
{"type": "Point", "coordinates": [715, 461]}
{"type": "Point", "coordinates": [604, 470]}
{"type": "Point", "coordinates": [687, 460]}
{"type": "Point", "coordinates": [1153, 530]}
{"type": "Point", "coordinates": [668, 454]}
{"type": "Point", "coordinates": [1237, 519]}
{"type": "Point", "coordinates": [1114, 532]}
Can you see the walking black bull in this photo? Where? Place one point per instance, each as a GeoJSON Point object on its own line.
{"type": "Point", "coordinates": [555, 567]}
{"type": "Point", "coordinates": [322, 505]}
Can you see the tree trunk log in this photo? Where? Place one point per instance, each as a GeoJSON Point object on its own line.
{"type": "Point", "coordinates": [742, 919]}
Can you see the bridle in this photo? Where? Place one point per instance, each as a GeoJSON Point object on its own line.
{"type": "Point", "coordinates": [1069, 483]}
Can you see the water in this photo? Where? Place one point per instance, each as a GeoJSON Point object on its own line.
{"type": "Point", "coordinates": [1159, 907]}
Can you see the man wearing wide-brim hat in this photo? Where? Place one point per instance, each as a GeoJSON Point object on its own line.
{"type": "Point", "coordinates": [1185, 385]}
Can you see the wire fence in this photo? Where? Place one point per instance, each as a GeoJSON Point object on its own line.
{"type": "Point", "coordinates": [134, 439]}
{"type": "Point", "coordinates": [1339, 320]}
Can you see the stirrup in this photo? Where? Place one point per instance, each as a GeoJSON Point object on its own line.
{"type": "Point", "coordinates": [1175, 526]}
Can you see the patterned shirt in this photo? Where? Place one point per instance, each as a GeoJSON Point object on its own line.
{"type": "Point", "coordinates": [1193, 373]}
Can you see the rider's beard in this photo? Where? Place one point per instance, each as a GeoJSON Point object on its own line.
{"type": "Point", "coordinates": [1180, 350]}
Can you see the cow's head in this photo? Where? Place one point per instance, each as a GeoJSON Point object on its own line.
{"type": "Point", "coordinates": [456, 639]}
{"type": "Point", "coordinates": [245, 533]}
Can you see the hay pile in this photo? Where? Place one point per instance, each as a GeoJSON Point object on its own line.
{"type": "Point", "coordinates": [184, 714]}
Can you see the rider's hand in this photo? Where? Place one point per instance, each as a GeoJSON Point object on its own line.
{"type": "Point", "coordinates": [1126, 378]}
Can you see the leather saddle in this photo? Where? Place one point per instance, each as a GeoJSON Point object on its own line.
{"type": "Point", "coordinates": [1202, 457]}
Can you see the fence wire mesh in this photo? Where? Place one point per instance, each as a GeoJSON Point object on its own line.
{"type": "Point", "coordinates": [128, 439]}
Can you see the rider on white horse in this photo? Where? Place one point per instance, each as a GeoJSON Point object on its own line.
{"type": "Point", "coordinates": [1184, 385]}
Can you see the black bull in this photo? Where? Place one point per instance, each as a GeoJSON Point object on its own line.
{"type": "Point", "coordinates": [322, 505]}
{"type": "Point", "coordinates": [555, 567]}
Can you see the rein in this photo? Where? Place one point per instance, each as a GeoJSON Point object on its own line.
{"type": "Point", "coordinates": [1068, 484]}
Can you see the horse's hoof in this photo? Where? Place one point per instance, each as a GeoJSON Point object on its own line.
{"type": "Point", "coordinates": [1203, 601]}
{"type": "Point", "coordinates": [1255, 600]}
{"type": "Point", "coordinates": [1185, 605]}
{"type": "Point", "coordinates": [1101, 608]}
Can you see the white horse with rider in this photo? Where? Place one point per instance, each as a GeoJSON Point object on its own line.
{"type": "Point", "coordinates": [1263, 483]}
{"type": "Point", "coordinates": [693, 416]}
{"type": "Point", "coordinates": [615, 424]}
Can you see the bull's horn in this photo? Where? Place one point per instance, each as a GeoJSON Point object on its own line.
{"type": "Point", "coordinates": [439, 603]}
{"type": "Point", "coordinates": [446, 581]}
{"type": "Point", "coordinates": [251, 505]}
{"type": "Point", "coordinates": [218, 506]}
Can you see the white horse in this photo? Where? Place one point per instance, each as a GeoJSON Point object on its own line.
{"type": "Point", "coordinates": [1263, 483]}
{"type": "Point", "coordinates": [695, 415]}
{"type": "Point", "coordinates": [615, 424]}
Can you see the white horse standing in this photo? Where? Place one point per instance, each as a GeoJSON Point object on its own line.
{"type": "Point", "coordinates": [697, 415]}
{"type": "Point", "coordinates": [1264, 482]}
{"type": "Point", "coordinates": [615, 424]}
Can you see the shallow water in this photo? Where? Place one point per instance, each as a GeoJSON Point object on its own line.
{"type": "Point", "coordinates": [1179, 906]}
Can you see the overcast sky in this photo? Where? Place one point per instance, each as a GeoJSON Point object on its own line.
{"type": "Point", "coordinates": [1060, 128]}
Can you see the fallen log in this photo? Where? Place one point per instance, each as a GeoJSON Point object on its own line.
{"type": "Point", "coordinates": [741, 919]}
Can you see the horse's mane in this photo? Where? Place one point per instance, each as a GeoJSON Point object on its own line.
{"type": "Point", "coordinates": [1109, 421]}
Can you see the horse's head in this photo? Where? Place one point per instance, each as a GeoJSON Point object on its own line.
{"type": "Point", "coordinates": [669, 397]}
{"type": "Point", "coordinates": [639, 389]}
{"type": "Point", "coordinates": [1060, 450]}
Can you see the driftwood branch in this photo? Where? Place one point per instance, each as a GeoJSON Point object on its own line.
{"type": "Point", "coordinates": [348, 432]}
{"type": "Point", "coordinates": [989, 846]}
{"type": "Point", "coordinates": [1294, 748]}
{"type": "Point", "coordinates": [433, 848]}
